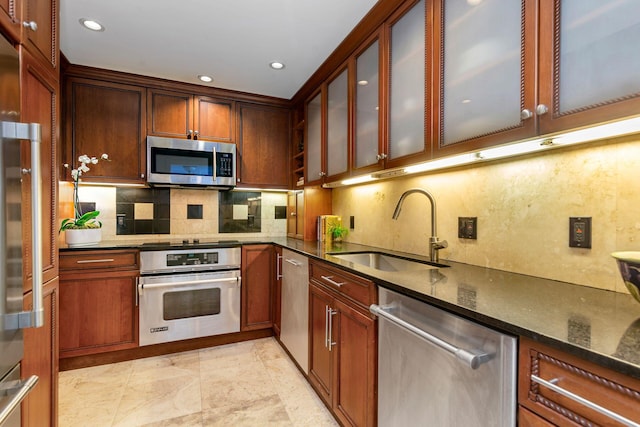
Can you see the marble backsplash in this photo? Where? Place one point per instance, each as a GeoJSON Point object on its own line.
{"type": "Point", "coordinates": [523, 207]}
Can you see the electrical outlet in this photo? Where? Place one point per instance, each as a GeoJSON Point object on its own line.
{"type": "Point", "coordinates": [580, 232]}
{"type": "Point", "coordinates": [468, 227]}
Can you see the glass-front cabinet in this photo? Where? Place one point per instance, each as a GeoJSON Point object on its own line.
{"type": "Point", "coordinates": [593, 63]}
{"type": "Point", "coordinates": [368, 152]}
{"type": "Point", "coordinates": [484, 73]}
{"type": "Point", "coordinates": [314, 162]}
{"type": "Point", "coordinates": [338, 126]}
{"type": "Point", "coordinates": [407, 140]}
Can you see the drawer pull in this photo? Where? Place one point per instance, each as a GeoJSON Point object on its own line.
{"type": "Point", "coordinates": [293, 262]}
{"type": "Point", "coordinates": [328, 279]}
{"type": "Point", "coordinates": [94, 261]}
{"type": "Point", "coordinates": [581, 400]}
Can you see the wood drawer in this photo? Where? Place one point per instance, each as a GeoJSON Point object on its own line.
{"type": "Point", "coordinates": [107, 259]}
{"type": "Point", "coordinates": [360, 290]}
{"type": "Point", "coordinates": [608, 389]}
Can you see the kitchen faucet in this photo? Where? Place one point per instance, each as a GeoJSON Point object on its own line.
{"type": "Point", "coordinates": [434, 243]}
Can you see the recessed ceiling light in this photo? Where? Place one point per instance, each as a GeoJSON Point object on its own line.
{"type": "Point", "coordinates": [204, 78]}
{"type": "Point", "coordinates": [276, 65]}
{"type": "Point", "coordinates": [91, 24]}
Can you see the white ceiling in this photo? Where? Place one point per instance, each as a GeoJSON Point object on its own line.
{"type": "Point", "coordinates": [231, 40]}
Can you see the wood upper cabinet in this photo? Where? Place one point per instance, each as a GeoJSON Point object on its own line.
{"type": "Point", "coordinates": [315, 133]}
{"type": "Point", "coordinates": [183, 115]}
{"type": "Point", "coordinates": [343, 344]}
{"type": "Point", "coordinates": [98, 303]}
{"type": "Point", "coordinates": [40, 408]}
{"type": "Point", "coordinates": [264, 142]}
{"type": "Point", "coordinates": [484, 86]}
{"type": "Point", "coordinates": [40, 30]}
{"type": "Point", "coordinates": [589, 62]}
{"type": "Point", "coordinates": [11, 18]}
{"type": "Point", "coordinates": [338, 138]}
{"type": "Point", "coordinates": [546, 374]}
{"type": "Point", "coordinates": [257, 287]}
{"type": "Point", "coordinates": [40, 104]}
{"type": "Point", "coordinates": [368, 148]}
{"type": "Point", "coordinates": [408, 138]}
{"type": "Point", "coordinates": [103, 117]}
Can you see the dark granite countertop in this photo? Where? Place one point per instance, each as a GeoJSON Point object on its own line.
{"type": "Point", "coordinates": [597, 325]}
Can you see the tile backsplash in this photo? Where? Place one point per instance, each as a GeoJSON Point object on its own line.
{"type": "Point", "coordinates": [127, 213]}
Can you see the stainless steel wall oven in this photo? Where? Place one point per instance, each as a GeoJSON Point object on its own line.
{"type": "Point", "coordinates": [188, 293]}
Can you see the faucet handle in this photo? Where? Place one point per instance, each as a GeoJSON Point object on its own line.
{"type": "Point", "coordinates": [440, 244]}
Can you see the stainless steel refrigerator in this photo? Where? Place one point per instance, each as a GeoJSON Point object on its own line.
{"type": "Point", "coordinates": [12, 319]}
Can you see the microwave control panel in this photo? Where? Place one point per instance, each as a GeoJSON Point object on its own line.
{"type": "Point", "coordinates": [224, 165]}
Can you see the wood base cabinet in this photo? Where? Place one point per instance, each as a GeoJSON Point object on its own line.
{"type": "Point", "coordinates": [256, 310]}
{"type": "Point", "coordinates": [98, 304]}
{"type": "Point", "coordinates": [343, 346]}
{"type": "Point", "coordinates": [40, 408]}
{"type": "Point", "coordinates": [564, 390]}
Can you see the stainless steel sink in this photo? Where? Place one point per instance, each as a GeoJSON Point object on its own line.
{"type": "Point", "coordinates": [385, 262]}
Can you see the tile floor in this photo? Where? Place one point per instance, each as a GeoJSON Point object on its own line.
{"type": "Point", "coordinates": [253, 383]}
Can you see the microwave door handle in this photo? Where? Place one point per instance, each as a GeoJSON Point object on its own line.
{"type": "Point", "coordinates": [215, 164]}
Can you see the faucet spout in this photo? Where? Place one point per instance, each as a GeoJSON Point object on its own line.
{"type": "Point", "coordinates": [434, 243]}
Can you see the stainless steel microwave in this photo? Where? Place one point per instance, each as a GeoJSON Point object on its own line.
{"type": "Point", "coordinates": [186, 162]}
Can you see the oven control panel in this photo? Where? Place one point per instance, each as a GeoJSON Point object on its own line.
{"type": "Point", "coordinates": [189, 258]}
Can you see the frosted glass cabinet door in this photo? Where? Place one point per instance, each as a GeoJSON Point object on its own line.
{"type": "Point", "coordinates": [314, 139]}
{"type": "Point", "coordinates": [367, 103]}
{"type": "Point", "coordinates": [595, 71]}
{"type": "Point", "coordinates": [481, 68]}
{"type": "Point", "coordinates": [337, 125]}
{"type": "Point", "coordinates": [407, 86]}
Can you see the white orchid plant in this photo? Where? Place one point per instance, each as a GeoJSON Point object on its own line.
{"type": "Point", "coordinates": [88, 219]}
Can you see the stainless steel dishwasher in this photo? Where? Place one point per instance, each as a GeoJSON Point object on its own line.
{"type": "Point", "coordinates": [294, 317]}
{"type": "Point", "coordinates": [438, 369]}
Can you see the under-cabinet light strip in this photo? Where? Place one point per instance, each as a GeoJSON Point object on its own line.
{"type": "Point", "coordinates": [594, 133]}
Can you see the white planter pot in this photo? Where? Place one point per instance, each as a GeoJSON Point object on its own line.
{"type": "Point", "coordinates": [82, 237]}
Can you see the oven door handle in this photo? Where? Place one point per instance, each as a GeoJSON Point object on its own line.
{"type": "Point", "coordinates": [187, 282]}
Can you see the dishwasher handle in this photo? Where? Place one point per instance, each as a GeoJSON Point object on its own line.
{"type": "Point", "coordinates": [471, 358]}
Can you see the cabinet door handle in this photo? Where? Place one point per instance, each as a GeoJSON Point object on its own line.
{"type": "Point", "coordinates": [195, 134]}
{"type": "Point", "coordinates": [94, 261]}
{"type": "Point", "coordinates": [32, 25]}
{"type": "Point", "coordinates": [330, 341]}
{"type": "Point", "coordinates": [278, 263]}
{"type": "Point", "coordinates": [526, 114]}
{"type": "Point", "coordinates": [333, 282]}
{"type": "Point", "coordinates": [381, 156]}
{"type": "Point", "coordinates": [321, 174]}
{"type": "Point", "coordinates": [137, 290]}
{"type": "Point", "coordinates": [189, 133]}
{"type": "Point", "coordinates": [326, 326]}
{"type": "Point", "coordinates": [542, 109]}
{"type": "Point", "coordinates": [581, 400]}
